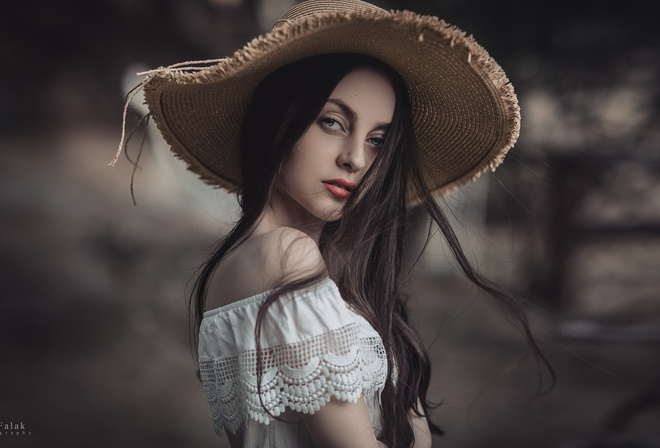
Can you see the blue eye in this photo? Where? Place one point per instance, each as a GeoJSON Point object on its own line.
{"type": "Point", "coordinates": [331, 123]}
{"type": "Point", "coordinates": [376, 141]}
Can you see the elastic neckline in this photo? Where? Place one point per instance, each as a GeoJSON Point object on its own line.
{"type": "Point", "coordinates": [260, 298]}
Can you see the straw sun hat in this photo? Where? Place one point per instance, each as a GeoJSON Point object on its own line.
{"type": "Point", "coordinates": [465, 112]}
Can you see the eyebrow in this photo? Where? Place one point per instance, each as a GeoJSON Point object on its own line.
{"type": "Point", "coordinates": [353, 116]}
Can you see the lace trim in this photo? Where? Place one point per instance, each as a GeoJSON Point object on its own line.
{"type": "Point", "coordinates": [302, 377]}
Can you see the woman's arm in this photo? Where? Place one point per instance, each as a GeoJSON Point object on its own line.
{"type": "Point", "coordinates": [420, 429]}
{"type": "Point", "coordinates": [342, 424]}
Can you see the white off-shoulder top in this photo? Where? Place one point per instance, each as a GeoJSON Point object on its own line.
{"type": "Point", "coordinates": [314, 347]}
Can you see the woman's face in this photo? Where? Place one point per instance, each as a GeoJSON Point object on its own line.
{"type": "Point", "coordinates": [336, 151]}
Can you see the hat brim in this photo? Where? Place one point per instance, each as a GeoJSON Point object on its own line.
{"type": "Point", "coordinates": [465, 112]}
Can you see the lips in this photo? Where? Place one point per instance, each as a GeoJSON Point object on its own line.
{"type": "Point", "coordinates": [339, 187]}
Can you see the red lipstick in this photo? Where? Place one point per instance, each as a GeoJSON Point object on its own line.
{"type": "Point", "coordinates": [339, 187]}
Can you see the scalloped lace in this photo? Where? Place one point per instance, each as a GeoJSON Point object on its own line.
{"type": "Point", "coordinates": [302, 377]}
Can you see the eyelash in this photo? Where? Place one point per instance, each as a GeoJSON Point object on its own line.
{"type": "Point", "coordinates": [330, 122]}
{"type": "Point", "coordinates": [324, 122]}
{"type": "Point", "coordinates": [380, 144]}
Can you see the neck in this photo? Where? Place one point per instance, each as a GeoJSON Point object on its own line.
{"type": "Point", "coordinates": [282, 211]}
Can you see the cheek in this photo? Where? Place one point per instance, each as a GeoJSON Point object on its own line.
{"type": "Point", "coordinates": [371, 158]}
{"type": "Point", "coordinates": [307, 156]}
{"type": "Point", "coordinates": [296, 172]}
{"type": "Point", "coordinates": [294, 167]}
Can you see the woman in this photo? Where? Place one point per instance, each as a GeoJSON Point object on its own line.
{"type": "Point", "coordinates": [329, 128]}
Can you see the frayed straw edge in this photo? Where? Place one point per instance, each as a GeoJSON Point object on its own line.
{"type": "Point", "coordinates": [192, 163]}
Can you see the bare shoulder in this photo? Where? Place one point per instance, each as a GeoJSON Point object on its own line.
{"type": "Point", "coordinates": [289, 254]}
{"type": "Point", "coordinates": [263, 262]}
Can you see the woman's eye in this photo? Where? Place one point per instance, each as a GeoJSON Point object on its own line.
{"type": "Point", "coordinates": [376, 141]}
{"type": "Point", "coordinates": [331, 123]}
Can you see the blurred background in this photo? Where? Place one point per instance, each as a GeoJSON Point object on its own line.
{"type": "Point", "coordinates": [93, 321]}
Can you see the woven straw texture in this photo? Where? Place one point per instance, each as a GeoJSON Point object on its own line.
{"type": "Point", "coordinates": [465, 112]}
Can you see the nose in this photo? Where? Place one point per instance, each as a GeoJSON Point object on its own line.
{"type": "Point", "coordinates": [352, 155]}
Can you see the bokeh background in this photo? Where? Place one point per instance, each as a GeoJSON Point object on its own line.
{"type": "Point", "coordinates": [94, 345]}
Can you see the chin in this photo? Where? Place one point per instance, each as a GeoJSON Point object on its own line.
{"type": "Point", "coordinates": [330, 213]}
{"type": "Point", "coordinates": [329, 217]}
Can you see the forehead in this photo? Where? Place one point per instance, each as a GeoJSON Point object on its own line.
{"type": "Point", "coordinates": [369, 93]}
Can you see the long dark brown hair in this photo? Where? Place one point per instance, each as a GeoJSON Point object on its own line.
{"type": "Point", "coordinates": [363, 249]}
